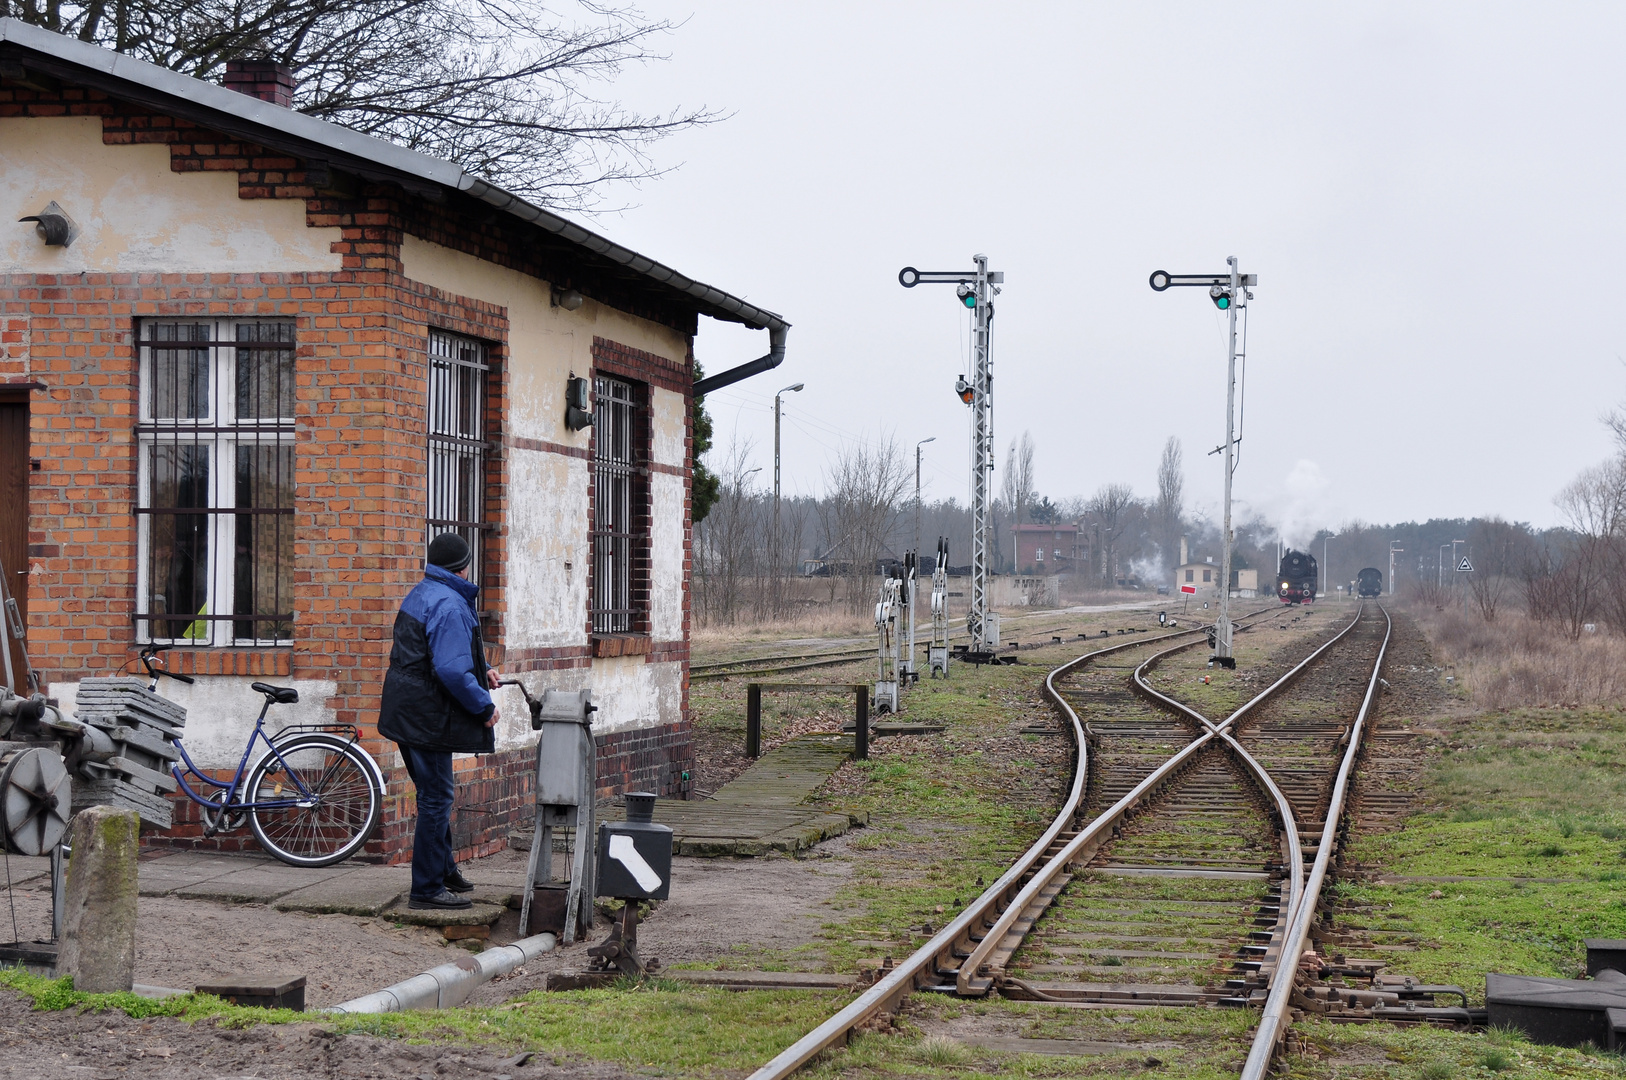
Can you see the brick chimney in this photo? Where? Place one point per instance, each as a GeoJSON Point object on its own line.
{"type": "Point", "coordinates": [268, 80]}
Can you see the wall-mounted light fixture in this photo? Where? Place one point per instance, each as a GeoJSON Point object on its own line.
{"type": "Point", "coordinates": [569, 299]}
{"type": "Point", "coordinates": [578, 409]}
{"type": "Point", "coordinates": [54, 225]}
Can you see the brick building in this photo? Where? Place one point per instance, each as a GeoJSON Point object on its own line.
{"type": "Point", "coordinates": [271, 359]}
{"type": "Point", "coordinates": [1044, 549]}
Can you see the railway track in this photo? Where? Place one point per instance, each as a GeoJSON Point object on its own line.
{"type": "Point", "coordinates": [1244, 809]}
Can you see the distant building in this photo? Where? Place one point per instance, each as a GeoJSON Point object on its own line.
{"type": "Point", "coordinates": [1197, 577]}
{"type": "Point", "coordinates": [1045, 549]}
{"type": "Point", "coordinates": [1245, 584]}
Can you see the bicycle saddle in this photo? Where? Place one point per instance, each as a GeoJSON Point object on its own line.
{"type": "Point", "coordinates": [282, 695]}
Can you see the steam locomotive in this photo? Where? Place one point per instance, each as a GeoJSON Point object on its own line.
{"type": "Point", "coordinates": [1369, 582]}
{"type": "Point", "coordinates": [1296, 578]}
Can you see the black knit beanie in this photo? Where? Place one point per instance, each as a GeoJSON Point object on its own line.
{"type": "Point", "coordinates": [449, 551]}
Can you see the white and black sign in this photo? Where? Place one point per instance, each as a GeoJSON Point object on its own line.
{"type": "Point", "coordinates": [634, 860]}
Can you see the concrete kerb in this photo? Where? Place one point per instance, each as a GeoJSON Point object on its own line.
{"type": "Point", "coordinates": [450, 985]}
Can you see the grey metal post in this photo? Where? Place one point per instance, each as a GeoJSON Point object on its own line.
{"type": "Point", "coordinates": [1222, 626]}
{"type": "Point", "coordinates": [918, 445]}
{"type": "Point", "coordinates": [1324, 563]}
{"type": "Point", "coordinates": [982, 464]}
{"type": "Point", "coordinates": [794, 388]}
{"type": "Point", "coordinates": [1393, 551]}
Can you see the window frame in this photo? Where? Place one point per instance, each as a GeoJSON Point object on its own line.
{"type": "Point", "coordinates": [453, 353]}
{"type": "Point", "coordinates": [220, 432]}
{"type": "Point", "coordinates": [621, 426]}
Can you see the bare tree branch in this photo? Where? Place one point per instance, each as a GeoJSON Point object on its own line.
{"type": "Point", "coordinates": [499, 86]}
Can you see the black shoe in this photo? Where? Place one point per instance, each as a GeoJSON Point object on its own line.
{"type": "Point", "coordinates": [456, 882]}
{"type": "Point", "coordinates": [442, 899]}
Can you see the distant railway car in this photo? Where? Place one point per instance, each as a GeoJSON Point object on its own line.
{"type": "Point", "coordinates": [1369, 582]}
{"type": "Point", "coordinates": [1296, 578]}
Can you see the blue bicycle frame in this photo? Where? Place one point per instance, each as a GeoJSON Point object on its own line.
{"type": "Point", "coordinates": [231, 802]}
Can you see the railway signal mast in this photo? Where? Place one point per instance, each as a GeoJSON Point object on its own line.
{"type": "Point", "coordinates": [1229, 293]}
{"type": "Point", "coordinates": [976, 290]}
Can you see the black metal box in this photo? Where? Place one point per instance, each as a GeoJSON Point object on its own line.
{"type": "Point", "coordinates": [276, 992]}
{"type": "Point", "coordinates": [635, 856]}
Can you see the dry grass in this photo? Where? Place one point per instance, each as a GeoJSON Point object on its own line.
{"type": "Point", "coordinates": [1517, 662]}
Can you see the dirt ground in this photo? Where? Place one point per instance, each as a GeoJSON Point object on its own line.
{"type": "Point", "coordinates": [74, 1045]}
{"type": "Point", "coordinates": [728, 911]}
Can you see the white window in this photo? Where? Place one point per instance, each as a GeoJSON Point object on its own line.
{"type": "Point", "coordinates": [215, 497]}
{"type": "Point", "coordinates": [1038, 555]}
{"type": "Point", "coordinates": [457, 441]}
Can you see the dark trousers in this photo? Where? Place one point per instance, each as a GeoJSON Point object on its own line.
{"type": "Point", "coordinates": [431, 772]}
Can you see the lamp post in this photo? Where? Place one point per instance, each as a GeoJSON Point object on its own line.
{"type": "Point", "coordinates": [793, 388]}
{"type": "Point", "coordinates": [1454, 544]}
{"type": "Point", "coordinates": [1324, 564]}
{"type": "Point", "coordinates": [918, 445]}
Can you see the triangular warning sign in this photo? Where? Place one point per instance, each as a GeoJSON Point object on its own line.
{"type": "Point", "coordinates": [1465, 567]}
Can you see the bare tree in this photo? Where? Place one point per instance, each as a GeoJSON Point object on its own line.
{"type": "Point", "coordinates": [1016, 490]}
{"type": "Point", "coordinates": [1171, 503]}
{"type": "Point", "coordinates": [1109, 508]}
{"type": "Point", "coordinates": [1567, 585]}
{"type": "Point", "coordinates": [728, 542]}
{"type": "Point", "coordinates": [863, 490]}
{"type": "Point", "coordinates": [502, 87]}
{"type": "Point", "coordinates": [1499, 550]}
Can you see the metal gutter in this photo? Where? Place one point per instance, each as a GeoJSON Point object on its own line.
{"type": "Point", "coordinates": [367, 155]}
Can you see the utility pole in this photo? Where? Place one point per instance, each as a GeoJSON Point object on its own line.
{"type": "Point", "coordinates": [1394, 549]}
{"type": "Point", "coordinates": [1229, 293]}
{"type": "Point", "coordinates": [1326, 579]}
{"type": "Point", "coordinates": [918, 445]}
{"type": "Point", "coordinates": [794, 388]}
{"type": "Point", "coordinates": [976, 290]}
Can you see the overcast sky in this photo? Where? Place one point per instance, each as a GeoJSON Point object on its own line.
{"type": "Point", "coordinates": [1430, 194]}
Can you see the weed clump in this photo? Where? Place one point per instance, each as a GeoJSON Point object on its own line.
{"type": "Point", "coordinates": [1438, 1069]}
{"type": "Point", "coordinates": [940, 1050]}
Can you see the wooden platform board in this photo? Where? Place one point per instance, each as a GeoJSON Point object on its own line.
{"type": "Point", "coordinates": [764, 808]}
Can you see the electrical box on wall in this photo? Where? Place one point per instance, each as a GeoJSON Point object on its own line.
{"type": "Point", "coordinates": [578, 406]}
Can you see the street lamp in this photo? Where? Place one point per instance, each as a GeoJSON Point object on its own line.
{"type": "Point", "coordinates": [1454, 563]}
{"type": "Point", "coordinates": [1327, 580]}
{"type": "Point", "coordinates": [918, 445]}
{"type": "Point", "coordinates": [793, 388]}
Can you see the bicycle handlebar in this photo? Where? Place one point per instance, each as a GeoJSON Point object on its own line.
{"type": "Point", "coordinates": [148, 652]}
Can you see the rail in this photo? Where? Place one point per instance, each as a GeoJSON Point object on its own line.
{"type": "Point", "coordinates": [904, 978]}
{"type": "Point", "coordinates": [1271, 1022]}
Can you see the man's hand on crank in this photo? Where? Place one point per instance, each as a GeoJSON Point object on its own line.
{"type": "Point", "coordinates": [493, 677]}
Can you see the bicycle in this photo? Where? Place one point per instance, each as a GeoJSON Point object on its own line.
{"type": "Point", "coordinates": [313, 799]}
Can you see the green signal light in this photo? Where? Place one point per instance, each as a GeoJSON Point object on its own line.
{"type": "Point", "coordinates": [970, 301]}
{"type": "Point", "coordinates": [1222, 302]}
{"type": "Point", "coordinates": [967, 295]}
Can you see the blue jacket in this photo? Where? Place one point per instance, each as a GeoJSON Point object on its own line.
{"type": "Point", "coordinates": [435, 695]}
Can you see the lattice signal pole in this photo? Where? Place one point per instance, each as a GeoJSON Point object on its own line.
{"type": "Point", "coordinates": [976, 290]}
{"type": "Point", "coordinates": [1229, 293]}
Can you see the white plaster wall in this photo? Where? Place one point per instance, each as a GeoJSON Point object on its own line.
{"type": "Point", "coordinates": [135, 214]}
{"type": "Point", "coordinates": [221, 710]}
{"type": "Point", "coordinates": [548, 551]}
{"type": "Point", "coordinates": [670, 426]}
{"type": "Point", "coordinates": [666, 557]}
{"type": "Point", "coordinates": [548, 492]}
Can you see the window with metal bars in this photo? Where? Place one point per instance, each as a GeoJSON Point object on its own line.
{"type": "Point", "coordinates": [615, 506]}
{"type": "Point", "coordinates": [215, 496]}
{"type": "Point", "coordinates": [457, 441]}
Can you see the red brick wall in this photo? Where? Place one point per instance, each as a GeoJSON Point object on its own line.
{"type": "Point", "coordinates": [360, 455]}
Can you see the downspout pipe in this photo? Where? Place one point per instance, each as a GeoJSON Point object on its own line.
{"type": "Point", "coordinates": [777, 332]}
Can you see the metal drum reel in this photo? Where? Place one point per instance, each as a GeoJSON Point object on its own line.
{"type": "Point", "coordinates": [36, 799]}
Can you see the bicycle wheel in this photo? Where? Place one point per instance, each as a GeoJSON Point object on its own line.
{"type": "Point", "coordinates": [339, 816]}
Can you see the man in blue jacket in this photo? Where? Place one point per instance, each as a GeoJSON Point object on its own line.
{"type": "Point", "coordinates": [437, 703]}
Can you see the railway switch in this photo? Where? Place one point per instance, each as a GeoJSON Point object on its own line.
{"type": "Point", "coordinates": [634, 864]}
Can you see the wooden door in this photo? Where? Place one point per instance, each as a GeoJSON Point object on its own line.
{"type": "Point", "coordinates": [14, 519]}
